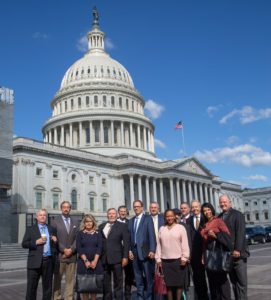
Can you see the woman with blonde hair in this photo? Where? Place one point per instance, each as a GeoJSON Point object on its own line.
{"type": "Point", "coordinates": [89, 248]}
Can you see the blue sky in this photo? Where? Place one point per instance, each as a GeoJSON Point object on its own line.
{"type": "Point", "coordinates": [206, 63]}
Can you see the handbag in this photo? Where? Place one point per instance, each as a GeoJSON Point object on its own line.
{"type": "Point", "coordinates": [217, 259]}
{"type": "Point", "coordinates": [160, 287]}
{"type": "Point", "coordinates": [89, 283]}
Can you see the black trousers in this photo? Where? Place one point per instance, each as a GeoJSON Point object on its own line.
{"type": "Point", "coordinates": [33, 275]}
{"type": "Point", "coordinates": [199, 279]}
{"type": "Point", "coordinates": [128, 280]}
{"type": "Point", "coordinates": [219, 286]}
{"type": "Point", "coordinates": [116, 269]}
{"type": "Point", "coordinates": [238, 277]}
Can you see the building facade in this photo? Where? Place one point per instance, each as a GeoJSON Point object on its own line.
{"type": "Point", "coordinates": [98, 149]}
{"type": "Point", "coordinates": [257, 206]}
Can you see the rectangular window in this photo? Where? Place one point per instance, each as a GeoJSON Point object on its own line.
{"type": "Point", "coordinates": [255, 203]}
{"type": "Point", "coordinates": [87, 101]}
{"type": "Point", "coordinates": [120, 102]}
{"type": "Point", "coordinates": [38, 171]}
{"type": "Point", "coordinates": [66, 106]}
{"type": "Point", "coordinates": [104, 204]}
{"type": "Point", "coordinates": [87, 135]}
{"type": "Point", "coordinates": [91, 203]}
{"type": "Point", "coordinates": [91, 179]}
{"type": "Point", "coordinates": [38, 200]}
{"type": "Point", "coordinates": [55, 201]}
{"type": "Point", "coordinates": [266, 216]}
{"type": "Point", "coordinates": [55, 174]}
{"type": "Point", "coordinates": [103, 181]}
{"type": "Point", "coordinates": [248, 217]}
{"type": "Point", "coordinates": [264, 202]}
{"type": "Point", "coordinates": [246, 204]}
{"type": "Point", "coordinates": [71, 103]}
{"type": "Point", "coordinates": [104, 101]}
{"type": "Point", "coordinates": [256, 216]}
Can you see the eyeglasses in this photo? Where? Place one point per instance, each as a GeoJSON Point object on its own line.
{"type": "Point", "coordinates": [137, 206]}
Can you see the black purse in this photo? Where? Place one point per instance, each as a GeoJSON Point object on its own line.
{"type": "Point", "coordinates": [89, 283]}
{"type": "Point", "coordinates": [217, 259]}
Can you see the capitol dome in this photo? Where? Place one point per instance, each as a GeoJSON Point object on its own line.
{"type": "Point", "coordinates": [98, 108]}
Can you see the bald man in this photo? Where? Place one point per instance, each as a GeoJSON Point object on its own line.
{"type": "Point", "coordinates": [235, 221]}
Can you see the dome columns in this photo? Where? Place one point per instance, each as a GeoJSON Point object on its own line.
{"type": "Point", "coordinates": [101, 133]}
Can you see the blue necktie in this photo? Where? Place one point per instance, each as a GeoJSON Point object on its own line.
{"type": "Point", "coordinates": [135, 228]}
{"type": "Point", "coordinates": [46, 245]}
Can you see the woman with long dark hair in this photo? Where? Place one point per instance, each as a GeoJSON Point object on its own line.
{"type": "Point", "coordinates": [215, 233]}
{"type": "Point", "coordinates": [172, 254]}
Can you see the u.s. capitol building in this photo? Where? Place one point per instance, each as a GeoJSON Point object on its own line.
{"type": "Point", "coordinates": [98, 150]}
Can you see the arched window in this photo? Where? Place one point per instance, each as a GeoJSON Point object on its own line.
{"type": "Point", "coordinates": [39, 196]}
{"type": "Point", "coordinates": [120, 102]}
{"type": "Point", "coordinates": [112, 101]}
{"type": "Point", "coordinates": [74, 199]}
{"type": "Point", "coordinates": [127, 104]}
{"type": "Point", "coordinates": [71, 103]}
{"type": "Point", "coordinates": [106, 138]}
{"type": "Point", "coordinates": [79, 102]}
{"type": "Point", "coordinates": [87, 101]}
{"type": "Point", "coordinates": [104, 101]}
{"type": "Point", "coordinates": [105, 198]}
{"type": "Point", "coordinates": [95, 100]}
{"type": "Point", "coordinates": [92, 201]}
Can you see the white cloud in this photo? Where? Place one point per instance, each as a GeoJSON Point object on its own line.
{"type": "Point", "coordinates": [82, 44]}
{"type": "Point", "coordinates": [246, 155]}
{"type": "Point", "coordinates": [159, 144]}
{"type": "Point", "coordinates": [211, 110]}
{"type": "Point", "coordinates": [153, 109]}
{"type": "Point", "coordinates": [257, 177]}
{"type": "Point", "coordinates": [40, 35]}
{"type": "Point", "coordinates": [233, 139]}
{"type": "Point", "coordinates": [247, 114]}
{"type": "Point", "coordinates": [252, 140]}
{"type": "Point", "coordinates": [109, 44]}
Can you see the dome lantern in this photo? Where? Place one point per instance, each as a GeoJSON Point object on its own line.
{"type": "Point", "coordinates": [95, 36]}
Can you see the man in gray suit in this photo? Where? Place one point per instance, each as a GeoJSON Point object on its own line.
{"type": "Point", "coordinates": [67, 228]}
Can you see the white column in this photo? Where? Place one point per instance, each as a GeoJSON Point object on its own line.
{"type": "Point", "coordinates": [154, 189]}
{"type": "Point", "coordinates": [55, 136]}
{"type": "Point", "coordinates": [50, 136]}
{"type": "Point", "coordinates": [189, 192]}
{"type": "Point", "coordinates": [62, 136]}
{"type": "Point", "coordinates": [145, 138]}
{"type": "Point", "coordinates": [139, 184]}
{"type": "Point", "coordinates": [171, 192]}
{"type": "Point", "coordinates": [112, 133]}
{"type": "Point", "coordinates": [91, 136]}
{"type": "Point", "coordinates": [147, 192]}
{"type": "Point", "coordinates": [132, 196]}
{"type": "Point", "coordinates": [162, 195]}
{"type": "Point", "coordinates": [184, 191]}
{"type": "Point", "coordinates": [178, 192]}
{"type": "Point", "coordinates": [196, 191]}
{"type": "Point", "coordinates": [152, 142]}
{"type": "Point", "coordinates": [102, 133]}
{"type": "Point", "coordinates": [80, 134]}
{"type": "Point", "coordinates": [121, 134]}
{"type": "Point", "coordinates": [71, 137]}
{"type": "Point", "coordinates": [131, 135]}
{"type": "Point", "coordinates": [201, 192]}
{"type": "Point", "coordinates": [138, 136]}
{"type": "Point", "coordinates": [205, 193]}
{"type": "Point", "coordinates": [149, 139]}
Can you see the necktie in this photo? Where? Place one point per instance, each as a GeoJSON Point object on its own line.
{"type": "Point", "coordinates": [46, 245]}
{"type": "Point", "coordinates": [197, 223]}
{"type": "Point", "coordinates": [67, 224]}
{"type": "Point", "coordinates": [109, 229]}
{"type": "Point", "coordinates": [135, 228]}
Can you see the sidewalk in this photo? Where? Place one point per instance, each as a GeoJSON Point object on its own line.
{"type": "Point", "coordinates": [15, 265]}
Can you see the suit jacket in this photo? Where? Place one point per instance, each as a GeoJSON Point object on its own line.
{"type": "Point", "coordinates": [35, 253]}
{"type": "Point", "coordinates": [161, 221]}
{"type": "Point", "coordinates": [195, 237]}
{"type": "Point", "coordinates": [145, 236]}
{"type": "Point", "coordinates": [235, 221]}
{"type": "Point", "coordinates": [117, 244]}
{"type": "Point", "coordinates": [65, 239]}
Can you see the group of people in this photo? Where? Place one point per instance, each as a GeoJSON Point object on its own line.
{"type": "Point", "coordinates": [128, 252]}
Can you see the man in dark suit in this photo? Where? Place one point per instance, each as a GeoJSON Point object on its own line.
{"type": "Point", "coordinates": [236, 224]}
{"type": "Point", "coordinates": [195, 222]}
{"type": "Point", "coordinates": [41, 240]}
{"type": "Point", "coordinates": [116, 244]}
{"type": "Point", "coordinates": [143, 246]}
{"type": "Point", "coordinates": [128, 270]}
{"type": "Point", "coordinates": [67, 228]}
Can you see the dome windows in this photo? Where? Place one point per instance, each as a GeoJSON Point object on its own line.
{"type": "Point", "coordinates": [104, 101]}
{"type": "Point", "coordinates": [96, 100]}
{"type": "Point", "coordinates": [79, 102]}
{"type": "Point", "coordinates": [87, 101]}
{"type": "Point", "coordinates": [112, 101]}
{"type": "Point", "coordinates": [120, 102]}
{"type": "Point", "coordinates": [71, 104]}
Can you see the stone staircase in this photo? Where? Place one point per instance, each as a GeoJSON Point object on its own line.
{"type": "Point", "coordinates": [12, 252]}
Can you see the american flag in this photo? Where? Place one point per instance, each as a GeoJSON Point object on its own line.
{"type": "Point", "coordinates": [179, 125]}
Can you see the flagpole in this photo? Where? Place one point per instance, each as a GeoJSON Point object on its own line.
{"type": "Point", "coordinates": [183, 142]}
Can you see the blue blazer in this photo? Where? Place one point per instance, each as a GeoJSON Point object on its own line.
{"type": "Point", "coordinates": [161, 221]}
{"type": "Point", "coordinates": [145, 237]}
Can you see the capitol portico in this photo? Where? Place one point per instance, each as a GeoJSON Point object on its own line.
{"type": "Point", "coordinates": [98, 149]}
